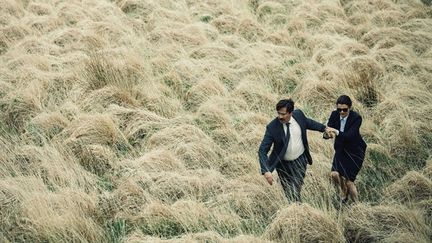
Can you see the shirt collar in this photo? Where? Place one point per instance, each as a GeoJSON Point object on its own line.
{"type": "Point", "coordinates": [291, 120]}
{"type": "Point", "coordinates": [344, 118]}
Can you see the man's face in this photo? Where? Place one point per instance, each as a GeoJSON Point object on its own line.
{"type": "Point", "coordinates": [283, 115]}
{"type": "Point", "coordinates": [342, 109]}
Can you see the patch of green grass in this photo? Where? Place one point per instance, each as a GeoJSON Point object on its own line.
{"type": "Point", "coordinates": [279, 81]}
{"type": "Point", "coordinates": [206, 18]}
{"type": "Point", "coordinates": [106, 183]}
{"type": "Point", "coordinates": [253, 227]}
{"type": "Point", "coordinates": [373, 179]}
{"type": "Point", "coordinates": [290, 62]}
{"type": "Point", "coordinates": [228, 82]}
{"type": "Point", "coordinates": [118, 229]}
{"type": "Point", "coordinates": [122, 148]}
{"type": "Point", "coordinates": [163, 227]}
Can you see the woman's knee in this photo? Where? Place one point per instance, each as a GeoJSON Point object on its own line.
{"type": "Point", "coordinates": [334, 175]}
{"type": "Point", "coordinates": [350, 184]}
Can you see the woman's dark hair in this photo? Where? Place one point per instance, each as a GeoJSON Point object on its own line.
{"type": "Point", "coordinates": [344, 100]}
{"type": "Point", "coordinates": [288, 103]}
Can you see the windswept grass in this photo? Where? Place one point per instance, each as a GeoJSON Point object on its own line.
{"type": "Point", "coordinates": [139, 120]}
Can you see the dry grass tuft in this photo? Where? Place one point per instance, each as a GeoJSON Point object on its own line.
{"type": "Point", "coordinates": [158, 160]}
{"type": "Point", "coordinates": [99, 100]}
{"type": "Point", "coordinates": [95, 141]}
{"type": "Point", "coordinates": [62, 218]}
{"type": "Point", "coordinates": [253, 201]}
{"type": "Point", "coordinates": [388, 37]}
{"type": "Point", "coordinates": [136, 9]}
{"type": "Point", "coordinates": [158, 98]}
{"type": "Point", "coordinates": [47, 124]}
{"type": "Point", "coordinates": [414, 190]}
{"type": "Point", "coordinates": [65, 173]}
{"type": "Point", "coordinates": [96, 158]}
{"type": "Point", "coordinates": [302, 223]}
{"type": "Point", "coordinates": [316, 93]}
{"type": "Point", "coordinates": [164, 221]}
{"type": "Point", "coordinates": [203, 91]}
{"type": "Point", "coordinates": [199, 185]}
{"type": "Point", "coordinates": [397, 59]}
{"type": "Point", "coordinates": [317, 190]}
{"type": "Point", "coordinates": [251, 127]}
{"type": "Point", "coordinates": [137, 124]}
{"type": "Point", "coordinates": [413, 187]}
{"type": "Point", "coordinates": [39, 8]}
{"type": "Point", "coordinates": [40, 215]}
{"type": "Point", "coordinates": [378, 223]}
{"type": "Point", "coordinates": [188, 142]}
{"type": "Point", "coordinates": [226, 24]}
{"type": "Point", "coordinates": [427, 170]}
{"type": "Point", "coordinates": [19, 108]}
{"type": "Point", "coordinates": [10, 35]}
{"type": "Point", "coordinates": [213, 52]}
{"type": "Point", "coordinates": [95, 129]}
{"type": "Point", "coordinates": [250, 30]}
{"type": "Point", "coordinates": [269, 8]}
{"type": "Point", "coordinates": [401, 237]}
{"type": "Point", "coordinates": [362, 74]}
{"type": "Point", "coordinates": [246, 239]}
{"type": "Point", "coordinates": [256, 95]}
{"type": "Point", "coordinates": [12, 194]}
{"type": "Point", "coordinates": [101, 71]}
{"type": "Point", "coordinates": [216, 122]}
{"type": "Point", "coordinates": [128, 197]}
{"type": "Point", "coordinates": [210, 117]}
{"type": "Point", "coordinates": [207, 236]}
{"type": "Point", "coordinates": [238, 164]}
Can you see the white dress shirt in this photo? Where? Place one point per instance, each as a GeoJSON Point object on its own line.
{"type": "Point", "coordinates": [295, 143]}
{"type": "Point", "coordinates": [342, 123]}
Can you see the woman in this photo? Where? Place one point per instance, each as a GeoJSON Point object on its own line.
{"type": "Point", "coordinates": [349, 147]}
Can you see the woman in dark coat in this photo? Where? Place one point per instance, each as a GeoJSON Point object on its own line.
{"type": "Point", "coordinates": [349, 147]}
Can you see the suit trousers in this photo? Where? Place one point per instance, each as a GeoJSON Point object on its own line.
{"type": "Point", "coordinates": [291, 174]}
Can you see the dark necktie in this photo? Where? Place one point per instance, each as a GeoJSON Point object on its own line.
{"type": "Point", "coordinates": [287, 135]}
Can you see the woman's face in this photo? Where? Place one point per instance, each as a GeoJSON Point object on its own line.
{"type": "Point", "coordinates": [343, 109]}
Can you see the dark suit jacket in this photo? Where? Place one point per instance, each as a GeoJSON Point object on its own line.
{"type": "Point", "coordinates": [275, 135]}
{"type": "Point", "coordinates": [349, 140]}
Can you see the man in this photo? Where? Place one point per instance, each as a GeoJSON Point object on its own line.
{"type": "Point", "coordinates": [290, 154]}
{"type": "Point", "coordinates": [344, 124]}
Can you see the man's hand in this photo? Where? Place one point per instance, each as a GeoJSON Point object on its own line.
{"type": "Point", "coordinates": [327, 135]}
{"type": "Point", "coordinates": [331, 132]}
{"type": "Point", "coordinates": [269, 177]}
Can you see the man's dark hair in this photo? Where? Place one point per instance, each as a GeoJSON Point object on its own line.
{"type": "Point", "coordinates": [344, 100]}
{"type": "Point", "coordinates": [288, 103]}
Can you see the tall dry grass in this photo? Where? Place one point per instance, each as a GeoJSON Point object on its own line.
{"type": "Point", "coordinates": [139, 120]}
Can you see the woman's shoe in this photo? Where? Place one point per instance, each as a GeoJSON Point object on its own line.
{"type": "Point", "coordinates": [345, 200]}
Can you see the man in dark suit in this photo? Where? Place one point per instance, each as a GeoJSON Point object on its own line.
{"type": "Point", "coordinates": [290, 154]}
{"type": "Point", "coordinates": [344, 124]}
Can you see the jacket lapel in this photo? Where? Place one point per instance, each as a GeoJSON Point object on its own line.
{"type": "Point", "coordinates": [348, 121]}
{"type": "Point", "coordinates": [282, 132]}
{"type": "Point", "coordinates": [337, 121]}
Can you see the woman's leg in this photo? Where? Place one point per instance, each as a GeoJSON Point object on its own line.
{"type": "Point", "coordinates": [335, 178]}
{"type": "Point", "coordinates": [339, 181]}
{"type": "Point", "coordinates": [352, 190]}
{"type": "Point", "coordinates": [344, 188]}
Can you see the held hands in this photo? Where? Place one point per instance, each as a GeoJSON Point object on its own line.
{"type": "Point", "coordinates": [329, 133]}
{"type": "Point", "coordinates": [269, 177]}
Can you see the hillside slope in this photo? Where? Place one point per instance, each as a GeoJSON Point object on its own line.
{"type": "Point", "coordinates": [139, 120]}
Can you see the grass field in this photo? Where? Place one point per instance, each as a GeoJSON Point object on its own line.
{"type": "Point", "coordinates": [140, 120]}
